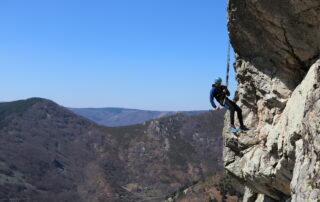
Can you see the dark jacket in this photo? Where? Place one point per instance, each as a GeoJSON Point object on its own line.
{"type": "Point", "coordinates": [217, 93]}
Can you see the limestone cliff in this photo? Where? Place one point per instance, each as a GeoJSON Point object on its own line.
{"type": "Point", "coordinates": [277, 46]}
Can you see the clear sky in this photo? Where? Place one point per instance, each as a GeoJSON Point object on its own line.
{"type": "Point", "coordinates": [145, 54]}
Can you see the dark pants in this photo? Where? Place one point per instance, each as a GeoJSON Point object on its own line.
{"type": "Point", "coordinates": [233, 107]}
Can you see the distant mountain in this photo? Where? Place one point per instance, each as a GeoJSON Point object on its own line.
{"type": "Point", "coordinates": [48, 153]}
{"type": "Point", "coordinates": [123, 116]}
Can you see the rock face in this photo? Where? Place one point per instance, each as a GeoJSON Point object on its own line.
{"type": "Point", "coordinates": [277, 45]}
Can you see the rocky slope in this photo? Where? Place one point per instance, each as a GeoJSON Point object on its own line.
{"type": "Point", "coordinates": [217, 188]}
{"type": "Point", "coordinates": [48, 153]}
{"type": "Point", "coordinates": [277, 45]}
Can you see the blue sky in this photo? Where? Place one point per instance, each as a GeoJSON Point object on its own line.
{"type": "Point", "coordinates": [145, 54]}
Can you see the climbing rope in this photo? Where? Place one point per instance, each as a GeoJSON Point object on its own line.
{"type": "Point", "coordinates": [227, 73]}
{"type": "Point", "coordinates": [228, 65]}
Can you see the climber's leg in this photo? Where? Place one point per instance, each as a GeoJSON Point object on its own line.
{"type": "Point", "coordinates": [235, 107]}
{"type": "Point", "coordinates": [228, 104]}
{"type": "Point", "coordinates": [239, 113]}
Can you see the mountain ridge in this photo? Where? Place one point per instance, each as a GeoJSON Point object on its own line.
{"type": "Point", "coordinates": [114, 116]}
{"type": "Point", "coordinates": [49, 153]}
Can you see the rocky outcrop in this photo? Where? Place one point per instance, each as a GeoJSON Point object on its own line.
{"type": "Point", "coordinates": [277, 45]}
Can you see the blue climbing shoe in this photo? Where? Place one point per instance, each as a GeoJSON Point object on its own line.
{"type": "Point", "coordinates": [234, 130]}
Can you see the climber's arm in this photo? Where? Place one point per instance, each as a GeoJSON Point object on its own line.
{"type": "Point", "coordinates": [212, 98]}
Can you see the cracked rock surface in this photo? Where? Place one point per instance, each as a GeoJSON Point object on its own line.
{"type": "Point", "coordinates": [277, 67]}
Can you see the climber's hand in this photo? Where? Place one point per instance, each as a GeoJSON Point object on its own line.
{"type": "Point", "coordinates": [218, 108]}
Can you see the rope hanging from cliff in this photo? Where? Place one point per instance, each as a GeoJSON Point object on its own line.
{"type": "Point", "coordinates": [228, 65]}
{"type": "Point", "coordinates": [227, 73]}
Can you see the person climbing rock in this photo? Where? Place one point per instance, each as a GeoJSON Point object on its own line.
{"type": "Point", "coordinates": [220, 93]}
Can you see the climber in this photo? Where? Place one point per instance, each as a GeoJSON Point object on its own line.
{"type": "Point", "coordinates": [220, 93]}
